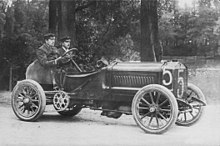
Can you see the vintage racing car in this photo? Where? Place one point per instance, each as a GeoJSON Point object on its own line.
{"type": "Point", "coordinates": [156, 94]}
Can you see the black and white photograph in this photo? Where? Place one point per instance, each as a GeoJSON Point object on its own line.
{"type": "Point", "coordinates": [109, 72]}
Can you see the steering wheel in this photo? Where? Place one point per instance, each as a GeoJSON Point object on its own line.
{"type": "Point", "coordinates": [71, 59]}
{"type": "Point", "coordinates": [69, 51]}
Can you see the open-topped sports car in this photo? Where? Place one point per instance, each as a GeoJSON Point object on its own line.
{"type": "Point", "coordinates": [156, 94]}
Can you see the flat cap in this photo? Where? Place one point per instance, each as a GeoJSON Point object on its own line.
{"type": "Point", "coordinates": [63, 39]}
{"type": "Point", "coordinates": [48, 35]}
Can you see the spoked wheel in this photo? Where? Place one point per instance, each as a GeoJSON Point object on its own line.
{"type": "Point", "coordinates": [188, 116]}
{"type": "Point", "coordinates": [61, 101]}
{"type": "Point", "coordinates": [28, 100]}
{"type": "Point", "coordinates": [70, 112]}
{"type": "Point", "coordinates": [154, 108]}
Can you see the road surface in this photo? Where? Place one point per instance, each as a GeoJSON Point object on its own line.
{"type": "Point", "coordinates": [89, 128]}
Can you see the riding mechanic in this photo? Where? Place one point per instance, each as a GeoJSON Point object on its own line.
{"type": "Point", "coordinates": [49, 58]}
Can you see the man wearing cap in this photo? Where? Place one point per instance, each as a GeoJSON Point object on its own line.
{"type": "Point", "coordinates": [65, 44]}
{"type": "Point", "coordinates": [63, 48]}
{"type": "Point", "coordinates": [47, 53]}
{"type": "Point", "coordinates": [48, 56]}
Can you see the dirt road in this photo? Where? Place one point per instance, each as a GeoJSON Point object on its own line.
{"type": "Point", "coordinates": [89, 128]}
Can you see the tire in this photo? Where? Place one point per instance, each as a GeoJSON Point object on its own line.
{"type": "Point", "coordinates": [70, 112]}
{"type": "Point", "coordinates": [154, 109]}
{"type": "Point", "coordinates": [28, 100]}
{"type": "Point", "coordinates": [187, 117]}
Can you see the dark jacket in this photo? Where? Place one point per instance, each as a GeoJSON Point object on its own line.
{"type": "Point", "coordinates": [46, 55]}
{"type": "Point", "coordinates": [61, 50]}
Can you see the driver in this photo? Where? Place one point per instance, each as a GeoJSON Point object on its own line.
{"type": "Point", "coordinates": [65, 44]}
{"type": "Point", "coordinates": [48, 56]}
{"type": "Point", "coordinates": [62, 49]}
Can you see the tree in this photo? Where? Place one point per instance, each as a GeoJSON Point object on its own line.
{"type": "Point", "coordinates": [62, 18]}
{"type": "Point", "coordinates": [23, 30]}
{"type": "Point", "coordinates": [2, 23]}
{"type": "Point", "coordinates": [2, 17]}
{"type": "Point", "coordinates": [190, 30]}
{"type": "Point", "coordinates": [108, 28]}
{"type": "Point", "coordinates": [53, 15]}
{"type": "Point", "coordinates": [150, 50]}
{"type": "Point", "coordinates": [67, 24]}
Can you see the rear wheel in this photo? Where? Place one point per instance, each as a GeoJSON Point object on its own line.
{"type": "Point", "coordinates": [28, 100]}
{"type": "Point", "coordinates": [154, 108]}
{"type": "Point", "coordinates": [70, 112]}
{"type": "Point", "coordinates": [188, 116]}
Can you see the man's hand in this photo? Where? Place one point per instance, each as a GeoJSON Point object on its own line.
{"type": "Point", "coordinates": [69, 55]}
{"type": "Point", "coordinates": [66, 57]}
{"type": "Point", "coordinates": [62, 60]}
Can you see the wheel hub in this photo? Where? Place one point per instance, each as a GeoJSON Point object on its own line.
{"type": "Point", "coordinates": [153, 108]}
{"type": "Point", "coordinates": [26, 100]}
{"type": "Point", "coordinates": [61, 101]}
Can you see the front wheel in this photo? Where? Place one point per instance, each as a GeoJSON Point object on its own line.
{"type": "Point", "coordinates": [28, 100]}
{"type": "Point", "coordinates": [154, 108]}
{"type": "Point", "coordinates": [188, 116]}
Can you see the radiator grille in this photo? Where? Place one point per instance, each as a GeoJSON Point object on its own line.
{"type": "Point", "coordinates": [132, 80]}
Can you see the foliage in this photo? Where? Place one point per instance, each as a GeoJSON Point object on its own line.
{"type": "Point", "coordinates": [102, 25]}
{"type": "Point", "coordinates": [108, 28]}
{"type": "Point", "coordinates": [3, 5]}
{"type": "Point", "coordinates": [191, 31]}
{"type": "Point", "coordinates": [29, 23]}
{"type": "Point", "coordinates": [25, 24]}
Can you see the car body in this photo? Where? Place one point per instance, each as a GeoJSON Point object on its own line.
{"type": "Point", "coordinates": [157, 94]}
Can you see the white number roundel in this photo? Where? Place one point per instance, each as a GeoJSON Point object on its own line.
{"type": "Point", "coordinates": [180, 89]}
{"type": "Point", "coordinates": [166, 83]}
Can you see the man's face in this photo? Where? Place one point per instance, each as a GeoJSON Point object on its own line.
{"type": "Point", "coordinates": [51, 41]}
{"type": "Point", "coordinates": [66, 44]}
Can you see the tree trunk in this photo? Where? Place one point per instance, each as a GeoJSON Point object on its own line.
{"type": "Point", "coordinates": [62, 19]}
{"type": "Point", "coordinates": [10, 78]}
{"type": "Point", "coordinates": [150, 48]}
{"type": "Point", "coordinates": [9, 25]}
{"type": "Point", "coordinates": [2, 23]}
{"type": "Point", "coordinates": [67, 20]}
{"type": "Point", "coordinates": [53, 15]}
